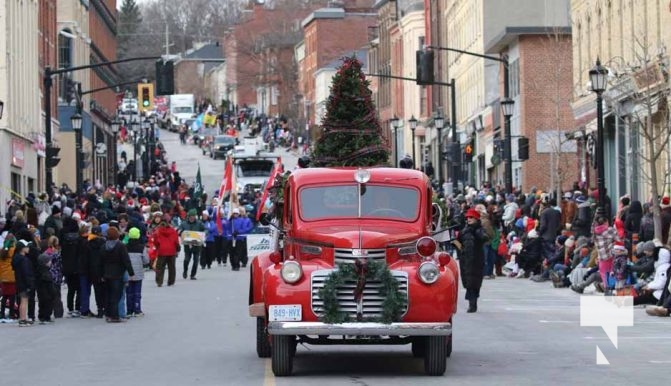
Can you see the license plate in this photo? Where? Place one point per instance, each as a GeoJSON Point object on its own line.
{"type": "Point", "coordinates": [285, 313]}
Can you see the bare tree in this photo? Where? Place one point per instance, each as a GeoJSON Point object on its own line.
{"type": "Point", "coordinates": [647, 76]}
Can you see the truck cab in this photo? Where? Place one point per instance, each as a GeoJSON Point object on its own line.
{"type": "Point", "coordinates": [333, 219]}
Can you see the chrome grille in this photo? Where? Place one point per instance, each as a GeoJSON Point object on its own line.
{"type": "Point", "coordinates": [371, 301]}
{"type": "Point", "coordinates": [352, 255]}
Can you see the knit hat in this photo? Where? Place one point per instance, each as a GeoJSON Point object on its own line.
{"type": "Point", "coordinates": [205, 213]}
{"type": "Point", "coordinates": [23, 243]}
{"type": "Point", "coordinates": [580, 199]}
{"type": "Point", "coordinates": [648, 246]}
{"type": "Point", "coordinates": [134, 233]}
{"type": "Point", "coordinates": [619, 248]}
{"type": "Point", "coordinates": [473, 214]}
{"type": "Point", "coordinates": [55, 210]}
{"type": "Point", "coordinates": [666, 202]}
{"type": "Point", "coordinates": [192, 212]}
{"type": "Point", "coordinates": [561, 240]}
{"type": "Point", "coordinates": [67, 211]}
{"type": "Point", "coordinates": [569, 243]}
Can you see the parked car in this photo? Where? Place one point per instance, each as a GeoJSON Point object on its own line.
{"type": "Point", "coordinates": [220, 145]}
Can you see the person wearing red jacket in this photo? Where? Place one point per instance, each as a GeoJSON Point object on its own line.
{"type": "Point", "coordinates": [167, 245]}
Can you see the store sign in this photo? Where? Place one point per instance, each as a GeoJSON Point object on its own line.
{"type": "Point", "coordinates": [39, 144]}
{"type": "Point", "coordinates": [18, 156]}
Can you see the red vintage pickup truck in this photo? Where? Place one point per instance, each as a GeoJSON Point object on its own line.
{"type": "Point", "coordinates": [337, 222]}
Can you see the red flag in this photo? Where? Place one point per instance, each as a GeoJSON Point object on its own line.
{"type": "Point", "coordinates": [225, 188]}
{"type": "Point", "coordinates": [271, 180]}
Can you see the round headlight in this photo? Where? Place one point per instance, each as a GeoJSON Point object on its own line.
{"type": "Point", "coordinates": [291, 272]}
{"type": "Point", "coordinates": [428, 272]}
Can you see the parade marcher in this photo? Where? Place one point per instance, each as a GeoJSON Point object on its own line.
{"type": "Point", "coordinates": [471, 257]}
{"type": "Point", "coordinates": [138, 259]}
{"type": "Point", "coordinates": [166, 242]}
{"type": "Point", "coordinates": [209, 249]}
{"type": "Point", "coordinates": [191, 251]}
{"type": "Point", "coordinates": [115, 263]}
{"type": "Point", "coordinates": [25, 279]}
{"type": "Point", "coordinates": [240, 226]}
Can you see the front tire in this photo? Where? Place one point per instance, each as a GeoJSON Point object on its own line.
{"type": "Point", "coordinates": [262, 339]}
{"type": "Point", "coordinates": [282, 354]}
{"type": "Point", "coordinates": [435, 356]}
{"type": "Point", "coordinates": [448, 349]}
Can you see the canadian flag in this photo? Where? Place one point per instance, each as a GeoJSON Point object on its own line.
{"type": "Point", "coordinates": [277, 170]}
{"type": "Point", "coordinates": [225, 188]}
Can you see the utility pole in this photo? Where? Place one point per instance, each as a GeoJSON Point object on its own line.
{"type": "Point", "coordinates": [167, 39]}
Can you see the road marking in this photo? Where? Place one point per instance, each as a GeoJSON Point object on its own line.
{"type": "Point", "coordinates": [559, 321]}
{"type": "Point", "coordinates": [659, 362]}
{"type": "Point", "coordinates": [630, 337]}
{"type": "Point", "coordinates": [269, 377]}
{"type": "Point", "coordinates": [544, 308]}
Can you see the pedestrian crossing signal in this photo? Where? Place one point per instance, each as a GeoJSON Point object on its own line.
{"type": "Point", "coordinates": [468, 152]}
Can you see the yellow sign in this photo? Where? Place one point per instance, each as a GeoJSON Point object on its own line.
{"type": "Point", "coordinates": [193, 238]}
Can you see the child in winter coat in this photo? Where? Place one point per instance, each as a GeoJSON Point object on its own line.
{"type": "Point", "coordinates": [138, 260]}
{"type": "Point", "coordinates": [45, 289]}
{"type": "Point", "coordinates": [530, 257]}
{"type": "Point", "coordinates": [25, 280]}
{"type": "Point", "coordinates": [7, 279]}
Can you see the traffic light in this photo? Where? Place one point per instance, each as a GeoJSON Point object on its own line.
{"type": "Point", "coordinates": [452, 152]}
{"type": "Point", "coordinates": [145, 93]}
{"type": "Point", "coordinates": [165, 78]}
{"type": "Point", "coordinates": [523, 148]}
{"type": "Point", "coordinates": [52, 159]}
{"type": "Point", "coordinates": [425, 68]}
{"type": "Point", "coordinates": [468, 152]}
{"type": "Point", "coordinates": [69, 89]}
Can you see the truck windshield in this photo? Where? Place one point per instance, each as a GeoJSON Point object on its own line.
{"type": "Point", "coordinates": [377, 201]}
{"type": "Point", "coordinates": [182, 110]}
{"type": "Point", "coordinates": [254, 168]}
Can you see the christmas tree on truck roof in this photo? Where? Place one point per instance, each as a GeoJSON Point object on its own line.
{"type": "Point", "coordinates": [351, 133]}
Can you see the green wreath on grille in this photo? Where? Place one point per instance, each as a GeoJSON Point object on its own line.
{"type": "Point", "coordinates": [394, 300]}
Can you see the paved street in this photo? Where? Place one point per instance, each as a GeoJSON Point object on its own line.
{"type": "Point", "coordinates": [199, 333]}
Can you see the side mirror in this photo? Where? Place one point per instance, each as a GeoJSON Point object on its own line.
{"type": "Point", "coordinates": [265, 219]}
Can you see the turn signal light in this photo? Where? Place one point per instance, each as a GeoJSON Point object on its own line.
{"type": "Point", "coordinates": [276, 257]}
{"type": "Point", "coordinates": [444, 258]}
{"type": "Point", "coordinates": [426, 246]}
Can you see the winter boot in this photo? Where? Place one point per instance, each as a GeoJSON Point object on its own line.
{"type": "Point", "coordinates": [472, 306]}
{"type": "Point", "coordinates": [499, 268]}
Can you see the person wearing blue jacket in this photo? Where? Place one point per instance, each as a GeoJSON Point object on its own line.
{"type": "Point", "coordinates": [222, 238]}
{"type": "Point", "coordinates": [209, 247]}
{"type": "Point", "coordinates": [240, 226]}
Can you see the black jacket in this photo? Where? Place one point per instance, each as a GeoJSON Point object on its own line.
{"type": "Point", "coordinates": [92, 263]}
{"type": "Point", "coordinates": [472, 255]}
{"type": "Point", "coordinates": [23, 273]}
{"type": "Point", "coordinates": [69, 240]}
{"type": "Point", "coordinates": [115, 260]}
{"type": "Point", "coordinates": [550, 224]}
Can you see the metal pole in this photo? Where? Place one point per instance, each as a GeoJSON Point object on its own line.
{"type": "Point", "coordinates": [601, 176]}
{"type": "Point", "coordinates": [134, 156]}
{"type": "Point", "coordinates": [414, 164]}
{"type": "Point", "coordinates": [506, 128]}
{"type": "Point", "coordinates": [396, 144]}
{"type": "Point", "coordinates": [48, 171]}
{"type": "Point", "coordinates": [115, 168]}
{"type": "Point", "coordinates": [440, 156]}
{"type": "Point", "coordinates": [457, 163]}
{"type": "Point", "coordinates": [78, 159]}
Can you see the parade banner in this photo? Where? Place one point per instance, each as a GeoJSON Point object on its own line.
{"type": "Point", "coordinates": [193, 238]}
{"type": "Point", "coordinates": [257, 243]}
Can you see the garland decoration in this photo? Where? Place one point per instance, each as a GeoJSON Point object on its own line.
{"type": "Point", "coordinates": [276, 193]}
{"type": "Point", "coordinates": [359, 273]}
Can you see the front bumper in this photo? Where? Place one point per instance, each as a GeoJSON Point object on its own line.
{"type": "Point", "coordinates": [360, 329]}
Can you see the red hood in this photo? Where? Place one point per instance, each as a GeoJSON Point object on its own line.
{"type": "Point", "coordinates": [164, 231]}
{"type": "Point", "coordinates": [373, 236]}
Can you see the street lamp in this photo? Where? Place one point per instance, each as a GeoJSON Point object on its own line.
{"type": "Point", "coordinates": [508, 105]}
{"type": "Point", "coordinates": [598, 77]}
{"type": "Point", "coordinates": [439, 121]}
{"type": "Point", "coordinates": [146, 125]}
{"type": "Point", "coordinates": [116, 125]}
{"type": "Point", "coordinates": [396, 123]}
{"type": "Point", "coordinates": [413, 126]}
{"type": "Point", "coordinates": [76, 123]}
{"type": "Point", "coordinates": [2, 107]}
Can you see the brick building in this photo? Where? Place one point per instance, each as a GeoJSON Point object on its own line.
{"type": "Point", "coordinates": [541, 85]}
{"type": "Point", "coordinates": [260, 68]}
{"type": "Point", "coordinates": [331, 32]}
{"type": "Point", "coordinates": [47, 46]}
